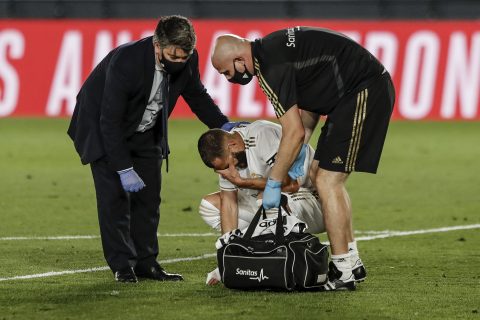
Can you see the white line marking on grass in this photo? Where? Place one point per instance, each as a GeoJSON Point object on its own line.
{"type": "Point", "coordinates": [88, 237]}
{"type": "Point", "coordinates": [377, 234]}
{"type": "Point", "coordinates": [413, 232]}
{"type": "Point", "coordinates": [60, 273]}
{"type": "Point", "coordinates": [373, 231]}
{"type": "Point", "coordinates": [49, 238]}
{"type": "Point", "coordinates": [208, 234]}
{"type": "Point", "coordinates": [54, 273]}
{"type": "Point", "coordinates": [79, 237]}
{"type": "Point", "coordinates": [391, 234]}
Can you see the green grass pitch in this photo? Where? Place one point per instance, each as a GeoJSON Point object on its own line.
{"type": "Point", "coordinates": [428, 178]}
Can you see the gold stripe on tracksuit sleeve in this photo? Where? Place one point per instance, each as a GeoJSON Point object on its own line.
{"type": "Point", "coordinates": [279, 110]}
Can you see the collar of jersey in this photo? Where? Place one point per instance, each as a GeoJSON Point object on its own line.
{"type": "Point", "coordinates": [240, 131]}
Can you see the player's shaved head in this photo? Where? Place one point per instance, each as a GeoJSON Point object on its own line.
{"type": "Point", "coordinates": [229, 48]}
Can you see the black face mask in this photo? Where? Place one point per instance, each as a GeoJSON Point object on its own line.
{"type": "Point", "coordinates": [241, 78]}
{"type": "Point", "coordinates": [172, 67]}
{"type": "Point", "coordinates": [241, 159]}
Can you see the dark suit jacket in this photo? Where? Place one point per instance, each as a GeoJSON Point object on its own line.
{"type": "Point", "coordinates": [111, 102]}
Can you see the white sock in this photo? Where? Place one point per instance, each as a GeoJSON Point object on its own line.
{"type": "Point", "coordinates": [352, 246]}
{"type": "Point", "coordinates": [210, 214]}
{"type": "Point", "coordinates": [354, 255]}
{"type": "Point", "coordinates": [343, 264]}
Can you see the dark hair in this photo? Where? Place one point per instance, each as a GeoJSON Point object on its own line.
{"type": "Point", "coordinates": [210, 146]}
{"type": "Point", "coordinates": [177, 31]}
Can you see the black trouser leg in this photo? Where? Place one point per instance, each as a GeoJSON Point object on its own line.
{"type": "Point", "coordinates": [145, 210]}
{"type": "Point", "coordinates": [114, 217]}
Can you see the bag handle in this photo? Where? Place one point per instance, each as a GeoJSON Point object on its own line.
{"type": "Point", "coordinates": [279, 225]}
{"type": "Point", "coordinates": [279, 235]}
{"type": "Point", "coordinates": [254, 223]}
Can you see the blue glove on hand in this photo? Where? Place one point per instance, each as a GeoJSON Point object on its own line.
{"type": "Point", "coordinates": [131, 182]}
{"type": "Point", "coordinates": [296, 170]}
{"type": "Point", "coordinates": [272, 194]}
{"type": "Point", "coordinates": [227, 126]}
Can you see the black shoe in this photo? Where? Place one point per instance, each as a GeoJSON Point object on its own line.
{"type": "Point", "coordinates": [156, 272]}
{"type": "Point", "coordinates": [335, 284]}
{"type": "Point", "coordinates": [359, 271]}
{"type": "Point", "coordinates": [126, 275]}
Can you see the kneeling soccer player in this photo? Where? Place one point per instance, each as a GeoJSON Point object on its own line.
{"type": "Point", "coordinates": [244, 158]}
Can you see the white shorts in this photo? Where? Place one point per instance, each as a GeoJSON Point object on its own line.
{"type": "Point", "coordinates": [303, 204]}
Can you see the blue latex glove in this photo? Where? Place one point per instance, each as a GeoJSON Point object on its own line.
{"type": "Point", "coordinates": [227, 126]}
{"type": "Point", "coordinates": [296, 170]}
{"type": "Point", "coordinates": [272, 194]}
{"type": "Point", "coordinates": [131, 182]}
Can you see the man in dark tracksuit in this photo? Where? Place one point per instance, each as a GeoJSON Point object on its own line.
{"type": "Point", "coordinates": [119, 127]}
{"type": "Point", "coordinates": [307, 72]}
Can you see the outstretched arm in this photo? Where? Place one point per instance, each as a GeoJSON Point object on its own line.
{"type": "Point", "coordinates": [199, 100]}
{"type": "Point", "coordinates": [293, 135]}
{"type": "Point", "coordinates": [290, 146]}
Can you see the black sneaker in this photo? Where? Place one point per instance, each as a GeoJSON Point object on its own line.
{"type": "Point", "coordinates": [335, 284]}
{"type": "Point", "coordinates": [359, 271]}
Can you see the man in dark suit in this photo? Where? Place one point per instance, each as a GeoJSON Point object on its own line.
{"type": "Point", "coordinates": [119, 127]}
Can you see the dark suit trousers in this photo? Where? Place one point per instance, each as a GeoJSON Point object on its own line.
{"type": "Point", "coordinates": [129, 221]}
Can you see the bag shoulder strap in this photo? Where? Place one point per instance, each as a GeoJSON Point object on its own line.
{"type": "Point", "coordinates": [254, 223]}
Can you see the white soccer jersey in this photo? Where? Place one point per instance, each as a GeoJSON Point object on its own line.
{"type": "Point", "coordinates": [262, 139]}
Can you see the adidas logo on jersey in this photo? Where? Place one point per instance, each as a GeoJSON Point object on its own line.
{"type": "Point", "coordinates": [337, 160]}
